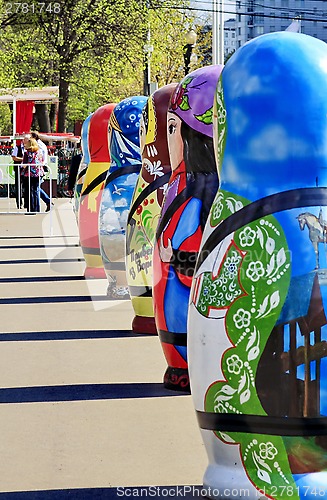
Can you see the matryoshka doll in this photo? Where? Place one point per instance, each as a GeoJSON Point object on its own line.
{"type": "Point", "coordinates": [191, 190]}
{"type": "Point", "coordinates": [257, 319]}
{"type": "Point", "coordinates": [117, 194]}
{"type": "Point", "coordinates": [145, 207]}
{"type": "Point", "coordinates": [83, 164]}
{"type": "Point", "coordinates": [92, 190]}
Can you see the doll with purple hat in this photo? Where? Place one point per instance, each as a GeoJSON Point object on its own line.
{"type": "Point", "coordinates": [190, 193]}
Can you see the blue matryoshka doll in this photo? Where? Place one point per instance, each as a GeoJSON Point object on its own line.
{"type": "Point", "coordinates": [125, 157]}
{"type": "Point", "coordinates": [258, 315]}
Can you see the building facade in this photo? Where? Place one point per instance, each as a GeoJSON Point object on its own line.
{"type": "Point", "coordinates": [256, 18]}
{"type": "Point", "coordinates": [229, 37]}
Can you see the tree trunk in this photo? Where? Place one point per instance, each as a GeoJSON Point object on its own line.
{"type": "Point", "coordinates": [34, 122]}
{"type": "Point", "coordinates": [53, 116]}
{"type": "Point", "coordinates": [42, 114]}
{"type": "Point", "coordinates": [63, 100]}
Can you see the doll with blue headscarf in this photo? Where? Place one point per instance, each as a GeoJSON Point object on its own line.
{"type": "Point", "coordinates": [124, 145]}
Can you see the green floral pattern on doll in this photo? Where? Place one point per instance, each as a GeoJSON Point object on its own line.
{"type": "Point", "coordinates": [247, 290]}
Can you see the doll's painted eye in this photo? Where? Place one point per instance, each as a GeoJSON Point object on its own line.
{"type": "Point", "coordinates": [171, 128]}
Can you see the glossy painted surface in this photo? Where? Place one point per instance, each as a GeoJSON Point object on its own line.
{"type": "Point", "coordinates": [92, 191]}
{"type": "Point", "coordinates": [84, 163]}
{"type": "Point", "coordinates": [191, 190]}
{"type": "Point", "coordinates": [257, 319]}
{"type": "Point", "coordinates": [146, 205]}
{"type": "Point", "coordinates": [122, 176]}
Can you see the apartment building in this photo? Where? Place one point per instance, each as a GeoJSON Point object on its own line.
{"type": "Point", "coordinates": [254, 18]}
{"type": "Point", "coordinates": [229, 37]}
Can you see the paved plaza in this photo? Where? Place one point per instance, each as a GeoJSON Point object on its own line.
{"type": "Point", "coordinates": [83, 410]}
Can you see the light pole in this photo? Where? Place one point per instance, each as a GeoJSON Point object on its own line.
{"type": "Point", "coordinates": [218, 32]}
{"type": "Point", "coordinates": [148, 49]}
{"type": "Point", "coordinates": [188, 47]}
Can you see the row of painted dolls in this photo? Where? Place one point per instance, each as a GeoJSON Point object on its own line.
{"type": "Point", "coordinates": [258, 285]}
{"type": "Point", "coordinates": [143, 194]}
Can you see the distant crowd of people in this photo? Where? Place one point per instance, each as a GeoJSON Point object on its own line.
{"type": "Point", "coordinates": [30, 158]}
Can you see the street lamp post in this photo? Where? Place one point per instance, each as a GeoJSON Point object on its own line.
{"type": "Point", "coordinates": [148, 49]}
{"type": "Point", "coordinates": [188, 47]}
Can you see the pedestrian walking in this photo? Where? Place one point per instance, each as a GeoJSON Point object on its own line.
{"type": "Point", "coordinates": [43, 195]}
{"type": "Point", "coordinates": [17, 156]}
{"type": "Point", "coordinates": [33, 171]}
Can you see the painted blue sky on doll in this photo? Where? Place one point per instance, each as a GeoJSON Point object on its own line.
{"type": "Point", "coordinates": [275, 91]}
{"type": "Point", "coordinates": [275, 95]}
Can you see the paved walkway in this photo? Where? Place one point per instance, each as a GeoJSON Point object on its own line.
{"type": "Point", "coordinates": [82, 406]}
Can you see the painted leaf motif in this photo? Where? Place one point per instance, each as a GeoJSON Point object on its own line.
{"type": "Point", "coordinates": [253, 353]}
{"type": "Point", "coordinates": [219, 96]}
{"type": "Point", "coordinates": [146, 216]}
{"type": "Point", "coordinates": [245, 396]}
{"type": "Point", "coordinates": [270, 245]}
{"type": "Point", "coordinates": [221, 397]}
{"type": "Point", "coordinates": [274, 300]}
{"type": "Point", "coordinates": [264, 476]}
{"type": "Point", "coordinates": [185, 104]}
{"type": "Point", "coordinates": [205, 117]}
{"type": "Point", "coordinates": [281, 257]}
{"type": "Point", "coordinates": [226, 437]}
{"type": "Point", "coordinates": [227, 389]}
{"type": "Point", "coordinates": [262, 462]}
{"type": "Point", "coordinates": [238, 205]}
{"type": "Point", "coordinates": [221, 135]}
{"type": "Point", "coordinates": [260, 237]}
{"type": "Point", "coordinates": [271, 265]}
{"type": "Point", "coordinates": [241, 383]}
{"type": "Point", "coordinates": [253, 336]}
{"type": "Point", "coordinates": [230, 206]}
{"type": "Point", "coordinates": [186, 82]}
{"type": "Point", "coordinates": [263, 307]}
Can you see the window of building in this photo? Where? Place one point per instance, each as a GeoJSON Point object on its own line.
{"type": "Point", "coordinates": [238, 5]}
{"type": "Point", "coordinates": [272, 3]}
{"type": "Point", "coordinates": [284, 3]}
{"type": "Point", "coordinates": [233, 34]}
{"type": "Point", "coordinates": [259, 18]}
{"type": "Point", "coordinates": [260, 30]}
{"type": "Point", "coordinates": [239, 18]}
{"type": "Point", "coordinates": [239, 31]}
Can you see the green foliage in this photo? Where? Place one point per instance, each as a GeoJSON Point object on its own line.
{"type": "Point", "coordinates": [168, 28]}
{"type": "Point", "coordinates": [5, 120]}
{"type": "Point", "coordinates": [92, 49]}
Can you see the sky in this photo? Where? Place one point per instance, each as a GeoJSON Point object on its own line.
{"type": "Point", "coordinates": [229, 5]}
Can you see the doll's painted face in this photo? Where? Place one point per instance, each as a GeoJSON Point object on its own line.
{"type": "Point", "coordinates": [175, 141]}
